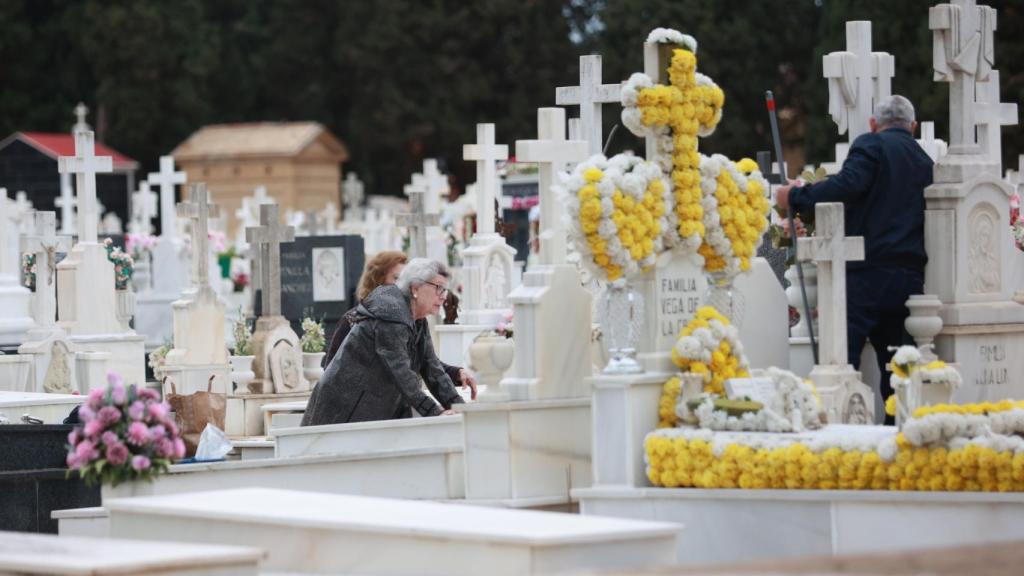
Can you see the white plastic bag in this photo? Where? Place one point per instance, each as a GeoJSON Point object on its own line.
{"type": "Point", "coordinates": [213, 444]}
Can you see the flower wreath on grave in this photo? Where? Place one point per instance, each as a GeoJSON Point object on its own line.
{"type": "Point", "coordinates": [124, 265]}
{"type": "Point", "coordinates": [974, 447]}
{"type": "Point", "coordinates": [126, 434]}
{"type": "Point", "coordinates": [794, 407]}
{"type": "Point", "coordinates": [907, 360]}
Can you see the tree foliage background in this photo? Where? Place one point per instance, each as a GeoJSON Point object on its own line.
{"type": "Point", "coordinates": [403, 80]}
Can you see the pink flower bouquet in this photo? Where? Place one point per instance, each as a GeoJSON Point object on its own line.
{"type": "Point", "coordinates": [126, 434]}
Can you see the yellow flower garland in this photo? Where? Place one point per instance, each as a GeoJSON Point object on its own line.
{"type": "Point", "coordinates": [685, 107]}
{"type": "Point", "coordinates": [743, 216]}
{"type": "Point", "coordinates": [980, 408]}
{"type": "Point", "coordinates": [724, 364]}
{"type": "Point", "coordinates": [667, 417]}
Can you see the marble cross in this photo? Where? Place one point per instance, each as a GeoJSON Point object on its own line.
{"type": "Point", "coordinates": [437, 186]}
{"type": "Point", "coordinates": [934, 147]}
{"type": "Point", "coordinates": [418, 220]}
{"type": "Point", "coordinates": [167, 178]}
{"type": "Point", "coordinates": [830, 249]}
{"type": "Point", "coordinates": [67, 204]}
{"type": "Point", "coordinates": [991, 115]}
{"type": "Point", "coordinates": [486, 154]}
{"type": "Point", "coordinates": [857, 79]}
{"type": "Point", "coordinates": [199, 209]}
{"type": "Point", "coordinates": [353, 192]}
{"type": "Point", "coordinates": [590, 95]}
{"type": "Point", "coordinates": [552, 153]}
{"type": "Point", "coordinates": [85, 165]}
{"type": "Point", "coordinates": [962, 54]}
{"type": "Point", "coordinates": [44, 243]}
{"type": "Point", "coordinates": [143, 210]}
{"type": "Point", "coordinates": [267, 238]}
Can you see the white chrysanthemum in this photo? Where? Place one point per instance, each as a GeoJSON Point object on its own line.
{"type": "Point", "coordinates": [906, 355]}
{"type": "Point", "coordinates": [670, 36]}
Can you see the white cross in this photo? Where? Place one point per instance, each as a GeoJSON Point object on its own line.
{"type": "Point", "coordinates": [353, 192]}
{"type": "Point", "coordinates": [857, 80]}
{"type": "Point", "coordinates": [590, 95]}
{"type": "Point", "coordinates": [486, 153]}
{"type": "Point", "coordinates": [437, 186]}
{"type": "Point", "coordinates": [934, 147]}
{"type": "Point", "coordinates": [68, 204]}
{"type": "Point", "coordinates": [85, 165]}
{"type": "Point", "coordinates": [45, 244]}
{"type": "Point", "coordinates": [552, 153]}
{"type": "Point", "coordinates": [962, 54]}
{"type": "Point", "coordinates": [267, 238]}
{"type": "Point", "coordinates": [166, 179]}
{"type": "Point", "coordinates": [20, 208]}
{"type": "Point", "coordinates": [418, 220]}
{"type": "Point", "coordinates": [199, 209]}
{"type": "Point", "coordinates": [143, 210]}
{"type": "Point", "coordinates": [991, 115]}
{"type": "Point", "coordinates": [831, 250]}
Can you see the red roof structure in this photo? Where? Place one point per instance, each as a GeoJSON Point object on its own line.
{"type": "Point", "coordinates": [55, 144]}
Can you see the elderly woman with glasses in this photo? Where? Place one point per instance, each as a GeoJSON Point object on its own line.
{"type": "Point", "coordinates": [376, 373]}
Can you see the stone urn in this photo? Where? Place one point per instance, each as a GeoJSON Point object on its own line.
{"type": "Point", "coordinates": [924, 322]}
{"type": "Point", "coordinates": [490, 356]}
{"type": "Point", "coordinates": [124, 300]}
{"type": "Point", "coordinates": [311, 369]}
{"type": "Point", "coordinates": [795, 297]}
{"type": "Point", "coordinates": [241, 372]}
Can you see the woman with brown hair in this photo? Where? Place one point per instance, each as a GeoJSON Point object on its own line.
{"type": "Point", "coordinates": [384, 268]}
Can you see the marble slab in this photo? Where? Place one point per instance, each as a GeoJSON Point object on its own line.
{"type": "Point", "coordinates": [50, 408]}
{"type": "Point", "coordinates": [757, 525]}
{"type": "Point", "coordinates": [244, 415]}
{"type": "Point", "coordinates": [22, 554]}
{"type": "Point", "coordinates": [323, 533]}
{"type": "Point", "coordinates": [256, 448]}
{"type": "Point", "coordinates": [91, 522]}
{"type": "Point", "coordinates": [367, 437]}
{"type": "Point", "coordinates": [427, 474]}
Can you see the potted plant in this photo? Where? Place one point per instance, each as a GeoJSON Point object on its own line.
{"type": "Point", "coordinates": [241, 360]}
{"type": "Point", "coordinates": [312, 343]}
{"type": "Point", "coordinates": [127, 434]}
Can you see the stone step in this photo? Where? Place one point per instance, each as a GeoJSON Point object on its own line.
{"type": "Point", "coordinates": [369, 437]}
{"type": "Point", "coordinates": [26, 554]}
{"type": "Point", "coordinates": [325, 533]}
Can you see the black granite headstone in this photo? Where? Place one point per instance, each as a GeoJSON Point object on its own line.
{"type": "Point", "coordinates": [34, 479]}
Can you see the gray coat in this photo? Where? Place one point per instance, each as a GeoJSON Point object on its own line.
{"type": "Point", "coordinates": [376, 374]}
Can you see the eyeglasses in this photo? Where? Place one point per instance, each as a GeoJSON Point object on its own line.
{"type": "Point", "coordinates": [441, 290]}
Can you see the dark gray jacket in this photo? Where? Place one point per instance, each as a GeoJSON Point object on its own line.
{"type": "Point", "coordinates": [376, 374]}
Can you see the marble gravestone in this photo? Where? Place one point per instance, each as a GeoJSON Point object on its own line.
{"type": "Point", "coordinates": [278, 362]}
{"type": "Point", "coordinates": [90, 310]}
{"type": "Point", "coordinates": [973, 264]}
{"type": "Point", "coordinates": [319, 276]}
{"type": "Point", "coordinates": [15, 316]}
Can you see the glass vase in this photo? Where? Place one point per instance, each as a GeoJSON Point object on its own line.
{"type": "Point", "coordinates": [724, 297]}
{"type": "Point", "coordinates": [621, 316]}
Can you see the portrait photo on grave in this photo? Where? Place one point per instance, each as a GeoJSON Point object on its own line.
{"type": "Point", "coordinates": [376, 374]}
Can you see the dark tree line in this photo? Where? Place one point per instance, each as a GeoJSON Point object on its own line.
{"type": "Point", "coordinates": [402, 80]}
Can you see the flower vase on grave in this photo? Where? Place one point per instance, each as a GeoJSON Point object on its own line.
{"type": "Point", "coordinates": [125, 300]}
{"type": "Point", "coordinates": [722, 294]}
{"type": "Point", "coordinates": [491, 356]}
{"type": "Point", "coordinates": [795, 297]}
{"type": "Point", "coordinates": [241, 372]}
{"type": "Point", "coordinates": [311, 368]}
{"type": "Point", "coordinates": [621, 315]}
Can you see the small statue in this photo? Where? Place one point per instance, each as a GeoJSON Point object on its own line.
{"type": "Point", "coordinates": [451, 308]}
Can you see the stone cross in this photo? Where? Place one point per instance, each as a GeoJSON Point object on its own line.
{"type": "Point", "coordinates": [590, 95]}
{"type": "Point", "coordinates": [437, 186]}
{"type": "Point", "coordinates": [22, 207]}
{"type": "Point", "coordinates": [44, 243]}
{"type": "Point", "coordinates": [199, 209]}
{"type": "Point", "coordinates": [143, 210]}
{"type": "Point", "coordinates": [353, 192]}
{"type": "Point", "coordinates": [552, 153]}
{"type": "Point", "coordinates": [963, 53]}
{"type": "Point", "coordinates": [267, 238]}
{"type": "Point", "coordinates": [857, 79]}
{"type": "Point", "coordinates": [991, 115]}
{"type": "Point", "coordinates": [486, 153]}
{"type": "Point", "coordinates": [418, 220]}
{"type": "Point", "coordinates": [330, 217]}
{"type": "Point", "coordinates": [167, 178]}
{"type": "Point", "coordinates": [830, 249]}
{"type": "Point", "coordinates": [85, 165]}
{"type": "Point", "coordinates": [934, 147]}
{"type": "Point", "coordinates": [67, 204]}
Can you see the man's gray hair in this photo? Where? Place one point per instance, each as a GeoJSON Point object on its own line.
{"type": "Point", "coordinates": [894, 111]}
{"type": "Point", "coordinates": [420, 271]}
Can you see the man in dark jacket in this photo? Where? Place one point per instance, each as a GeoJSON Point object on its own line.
{"type": "Point", "coordinates": [376, 374]}
{"type": "Point", "coordinates": [881, 186]}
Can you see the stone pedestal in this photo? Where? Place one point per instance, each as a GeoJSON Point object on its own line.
{"type": "Point", "coordinates": [278, 362]}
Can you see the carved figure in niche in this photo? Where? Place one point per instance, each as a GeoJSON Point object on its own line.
{"type": "Point", "coordinates": [495, 284]}
{"type": "Point", "coordinates": [285, 366]}
{"type": "Point", "coordinates": [328, 284]}
{"type": "Point", "coordinates": [58, 373]}
{"type": "Point", "coordinates": [983, 263]}
{"type": "Point", "coordinates": [856, 411]}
